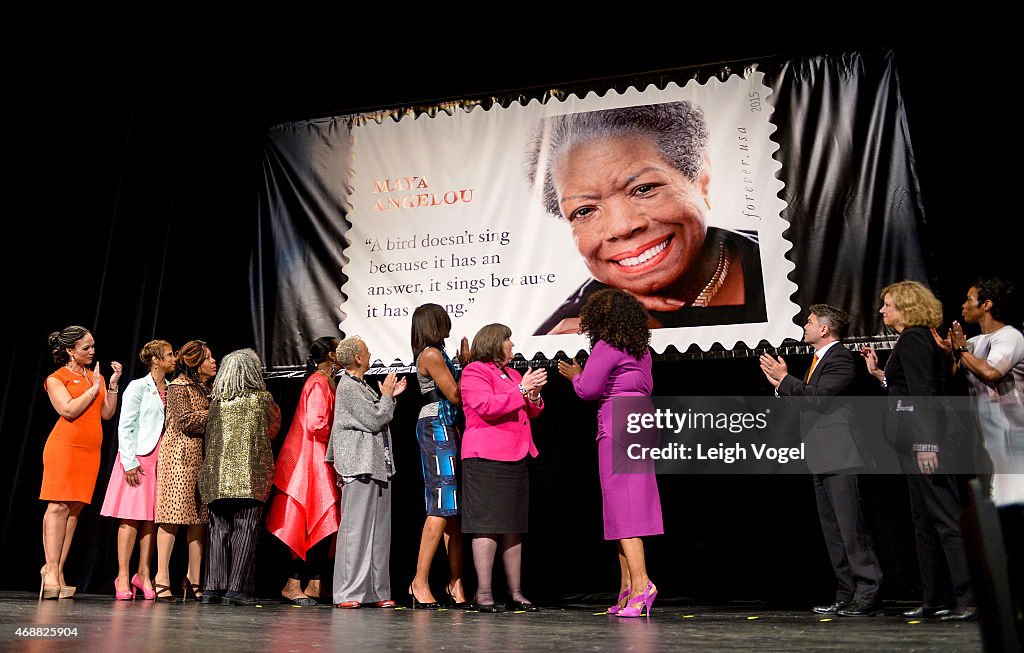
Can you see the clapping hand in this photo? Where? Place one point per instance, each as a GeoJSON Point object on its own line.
{"type": "Point", "coordinates": [570, 370]}
{"type": "Point", "coordinates": [96, 381]}
{"type": "Point", "coordinates": [945, 344]}
{"type": "Point", "coordinates": [871, 360]}
{"type": "Point", "coordinates": [116, 376]}
{"type": "Point", "coordinates": [775, 369]}
{"type": "Point", "coordinates": [464, 351]}
{"type": "Point", "coordinates": [534, 380]}
{"type": "Point", "coordinates": [956, 336]}
{"type": "Point", "coordinates": [392, 386]}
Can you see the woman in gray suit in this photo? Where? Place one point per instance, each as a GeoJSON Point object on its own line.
{"type": "Point", "coordinates": [360, 449]}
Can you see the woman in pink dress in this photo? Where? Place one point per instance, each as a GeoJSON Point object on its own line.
{"type": "Point", "coordinates": [620, 366]}
{"type": "Point", "coordinates": [131, 492]}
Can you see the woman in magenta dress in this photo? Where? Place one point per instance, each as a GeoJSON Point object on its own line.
{"type": "Point", "coordinates": [620, 366]}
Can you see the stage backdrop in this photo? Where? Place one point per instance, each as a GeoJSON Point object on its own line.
{"type": "Point", "coordinates": [797, 181]}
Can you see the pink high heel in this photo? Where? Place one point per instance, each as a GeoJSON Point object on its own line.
{"type": "Point", "coordinates": [149, 595]}
{"type": "Point", "coordinates": [128, 595]}
{"type": "Point", "coordinates": [615, 608]}
{"type": "Point", "coordinates": [641, 605]}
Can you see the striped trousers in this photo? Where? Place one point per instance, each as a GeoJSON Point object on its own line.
{"type": "Point", "coordinates": [231, 540]}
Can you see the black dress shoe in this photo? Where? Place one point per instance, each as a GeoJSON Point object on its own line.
{"type": "Point", "coordinates": [486, 607]}
{"type": "Point", "coordinates": [926, 613]}
{"type": "Point", "coordinates": [457, 605]}
{"type": "Point", "coordinates": [420, 605]}
{"type": "Point", "coordinates": [961, 614]}
{"type": "Point", "coordinates": [211, 598]}
{"type": "Point", "coordinates": [858, 609]}
{"type": "Point", "coordinates": [830, 609]}
{"type": "Point", "coordinates": [302, 601]}
{"type": "Point", "coordinates": [241, 599]}
{"type": "Point", "coordinates": [521, 606]}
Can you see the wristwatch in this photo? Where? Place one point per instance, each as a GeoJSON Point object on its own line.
{"type": "Point", "coordinates": [522, 389]}
{"type": "Point", "coordinates": [961, 349]}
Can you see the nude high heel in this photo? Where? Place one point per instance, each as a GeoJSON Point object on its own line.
{"type": "Point", "coordinates": [47, 591]}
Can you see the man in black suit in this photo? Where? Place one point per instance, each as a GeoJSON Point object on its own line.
{"type": "Point", "coordinates": [835, 450]}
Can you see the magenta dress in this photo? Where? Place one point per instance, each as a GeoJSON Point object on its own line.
{"type": "Point", "coordinates": [632, 507]}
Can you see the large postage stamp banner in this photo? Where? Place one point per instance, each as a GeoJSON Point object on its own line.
{"type": "Point", "coordinates": [516, 215]}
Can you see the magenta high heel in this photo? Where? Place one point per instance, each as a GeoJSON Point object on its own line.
{"type": "Point", "coordinates": [127, 595]}
{"type": "Point", "coordinates": [615, 608]}
{"type": "Point", "coordinates": [149, 595]}
{"type": "Point", "coordinates": [641, 605]}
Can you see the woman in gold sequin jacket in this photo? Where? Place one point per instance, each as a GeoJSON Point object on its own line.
{"type": "Point", "coordinates": [237, 474]}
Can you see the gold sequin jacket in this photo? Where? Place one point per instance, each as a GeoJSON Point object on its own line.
{"type": "Point", "coordinates": [239, 461]}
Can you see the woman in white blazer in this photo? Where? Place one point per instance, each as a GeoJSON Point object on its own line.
{"type": "Point", "coordinates": [131, 492]}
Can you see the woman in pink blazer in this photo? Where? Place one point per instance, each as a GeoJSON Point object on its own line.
{"type": "Point", "coordinates": [498, 404]}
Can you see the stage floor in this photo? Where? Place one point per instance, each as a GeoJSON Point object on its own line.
{"type": "Point", "coordinates": [105, 625]}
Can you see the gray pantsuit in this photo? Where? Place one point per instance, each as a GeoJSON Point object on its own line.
{"type": "Point", "coordinates": [363, 555]}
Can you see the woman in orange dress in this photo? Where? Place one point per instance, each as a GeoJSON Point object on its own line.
{"type": "Point", "coordinates": [71, 457]}
{"type": "Point", "coordinates": [304, 510]}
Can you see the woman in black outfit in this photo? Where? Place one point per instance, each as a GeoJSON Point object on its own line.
{"type": "Point", "coordinates": [915, 372]}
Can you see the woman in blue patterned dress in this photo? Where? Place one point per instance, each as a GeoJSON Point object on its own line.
{"type": "Point", "coordinates": [438, 438]}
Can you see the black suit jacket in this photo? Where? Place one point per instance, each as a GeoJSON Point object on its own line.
{"type": "Point", "coordinates": [833, 439]}
{"type": "Point", "coordinates": [916, 375]}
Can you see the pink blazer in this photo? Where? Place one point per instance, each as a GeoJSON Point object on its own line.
{"type": "Point", "coordinates": [497, 414]}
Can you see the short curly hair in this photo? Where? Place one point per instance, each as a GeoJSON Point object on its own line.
{"type": "Point", "coordinates": [619, 319]}
{"type": "Point", "coordinates": [1002, 294]}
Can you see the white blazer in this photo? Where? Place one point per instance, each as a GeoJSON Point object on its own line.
{"type": "Point", "coordinates": [141, 423]}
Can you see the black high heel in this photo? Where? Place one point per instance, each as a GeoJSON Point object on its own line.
{"type": "Point", "coordinates": [190, 592]}
{"type": "Point", "coordinates": [164, 598]}
{"type": "Point", "coordinates": [419, 605]}
{"type": "Point", "coordinates": [456, 605]}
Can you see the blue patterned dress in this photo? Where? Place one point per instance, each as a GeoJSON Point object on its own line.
{"type": "Point", "coordinates": [439, 453]}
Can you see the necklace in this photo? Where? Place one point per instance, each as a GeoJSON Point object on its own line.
{"type": "Point", "coordinates": [355, 378]}
{"type": "Point", "coordinates": [329, 377]}
{"type": "Point", "coordinates": [717, 279]}
{"type": "Point", "coordinates": [82, 374]}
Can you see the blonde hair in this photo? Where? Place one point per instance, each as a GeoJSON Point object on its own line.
{"type": "Point", "coordinates": [919, 305]}
{"type": "Point", "coordinates": [153, 349]}
{"type": "Point", "coordinates": [346, 352]}
{"type": "Point", "coordinates": [240, 372]}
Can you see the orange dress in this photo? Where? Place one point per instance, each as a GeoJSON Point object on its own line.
{"type": "Point", "coordinates": [71, 457]}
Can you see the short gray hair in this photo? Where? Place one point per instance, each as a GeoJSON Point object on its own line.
{"type": "Point", "coordinates": [677, 129]}
{"type": "Point", "coordinates": [240, 372]}
{"type": "Point", "coordinates": [346, 352]}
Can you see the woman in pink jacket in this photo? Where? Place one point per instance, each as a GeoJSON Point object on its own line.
{"type": "Point", "coordinates": [498, 404]}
